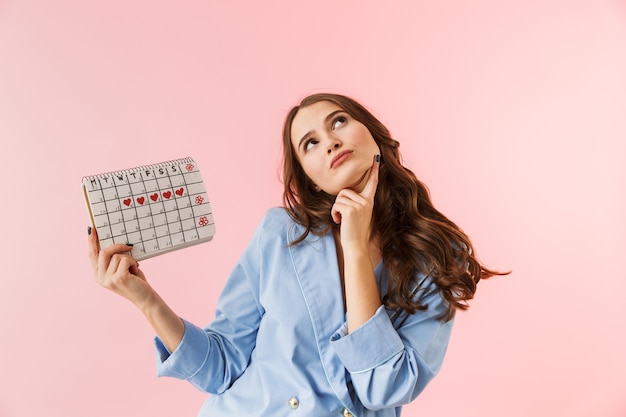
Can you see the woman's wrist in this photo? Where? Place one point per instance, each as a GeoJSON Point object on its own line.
{"type": "Point", "coordinates": [149, 303]}
{"type": "Point", "coordinates": [165, 322]}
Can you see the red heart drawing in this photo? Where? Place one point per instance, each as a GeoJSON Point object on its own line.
{"type": "Point", "coordinates": [127, 202]}
{"type": "Point", "coordinates": [167, 194]}
{"type": "Point", "coordinates": [180, 192]}
{"type": "Point", "coordinates": [154, 197]}
{"type": "Point", "coordinates": [141, 200]}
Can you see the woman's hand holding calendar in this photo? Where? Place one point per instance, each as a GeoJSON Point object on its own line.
{"type": "Point", "coordinates": [115, 269]}
{"type": "Point", "coordinates": [119, 272]}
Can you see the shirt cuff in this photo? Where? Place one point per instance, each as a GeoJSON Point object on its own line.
{"type": "Point", "coordinates": [355, 349]}
{"type": "Point", "coordinates": [181, 363]}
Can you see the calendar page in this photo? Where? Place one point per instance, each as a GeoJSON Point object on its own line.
{"type": "Point", "coordinates": [158, 208]}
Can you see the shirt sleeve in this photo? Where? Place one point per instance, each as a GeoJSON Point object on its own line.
{"type": "Point", "coordinates": [391, 364]}
{"type": "Point", "coordinates": [212, 358]}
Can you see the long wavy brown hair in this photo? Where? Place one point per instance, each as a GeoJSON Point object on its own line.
{"type": "Point", "coordinates": [414, 236]}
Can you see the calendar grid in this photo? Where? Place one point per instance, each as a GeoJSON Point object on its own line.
{"type": "Point", "coordinates": [117, 193]}
{"type": "Point", "coordinates": [169, 179]}
{"type": "Point", "coordinates": [190, 196]}
{"type": "Point", "coordinates": [151, 227]}
{"type": "Point", "coordinates": [158, 208]}
{"type": "Point", "coordinates": [134, 205]}
{"type": "Point", "coordinates": [186, 188]}
{"type": "Point", "coordinates": [108, 221]}
{"type": "Point", "coordinates": [140, 248]}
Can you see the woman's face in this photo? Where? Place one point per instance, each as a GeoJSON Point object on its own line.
{"type": "Point", "coordinates": [335, 150]}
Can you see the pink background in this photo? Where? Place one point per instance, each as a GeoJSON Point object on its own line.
{"type": "Point", "coordinates": [513, 112]}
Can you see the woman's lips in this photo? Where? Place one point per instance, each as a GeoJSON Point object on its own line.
{"type": "Point", "coordinates": [342, 156]}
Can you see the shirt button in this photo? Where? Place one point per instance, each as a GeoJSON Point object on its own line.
{"type": "Point", "coordinates": [345, 412]}
{"type": "Point", "coordinates": [293, 403]}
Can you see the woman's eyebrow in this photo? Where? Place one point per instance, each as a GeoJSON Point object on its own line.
{"type": "Point", "coordinates": [326, 119]}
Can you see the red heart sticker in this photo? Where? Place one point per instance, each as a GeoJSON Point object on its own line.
{"type": "Point", "coordinates": [167, 194]}
{"type": "Point", "coordinates": [154, 197]}
{"type": "Point", "coordinates": [180, 192]}
{"type": "Point", "coordinates": [141, 200]}
{"type": "Point", "coordinates": [127, 202]}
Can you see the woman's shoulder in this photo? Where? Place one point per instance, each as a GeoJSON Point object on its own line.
{"type": "Point", "coordinates": [279, 222]}
{"type": "Point", "coordinates": [276, 221]}
{"type": "Point", "coordinates": [276, 216]}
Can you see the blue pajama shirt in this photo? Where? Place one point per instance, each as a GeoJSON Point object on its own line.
{"type": "Point", "coordinates": [279, 345]}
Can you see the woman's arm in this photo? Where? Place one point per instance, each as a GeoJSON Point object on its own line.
{"type": "Point", "coordinates": [119, 272]}
{"type": "Point", "coordinates": [390, 363]}
{"type": "Point", "coordinates": [353, 210]}
{"type": "Point", "coordinates": [362, 298]}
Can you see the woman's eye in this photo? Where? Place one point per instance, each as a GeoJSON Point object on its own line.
{"type": "Point", "coordinates": [309, 144]}
{"type": "Point", "coordinates": [338, 122]}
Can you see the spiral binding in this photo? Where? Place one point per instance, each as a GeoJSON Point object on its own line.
{"type": "Point", "coordinates": [127, 171]}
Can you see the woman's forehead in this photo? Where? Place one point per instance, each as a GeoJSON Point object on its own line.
{"type": "Point", "coordinates": [311, 116]}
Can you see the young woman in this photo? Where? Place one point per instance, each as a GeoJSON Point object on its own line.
{"type": "Point", "coordinates": [343, 302]}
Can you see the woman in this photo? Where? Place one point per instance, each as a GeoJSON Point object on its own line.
{"type": "Point", "coordinates": [344, 300]}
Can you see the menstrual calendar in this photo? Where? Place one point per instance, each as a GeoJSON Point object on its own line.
{"type": "Point", "coordinates": [158, 208]}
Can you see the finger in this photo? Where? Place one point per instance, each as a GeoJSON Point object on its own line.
{"type": "Point", "coordinates": [372, 182]}
{"type": "Point", "coordinates": [339, 208]}
{"type": "Point", "coordinates": [345, 206]}
{"type": "Point", "coordinates": [134, 269]}
{"type": "Point", "coordinates": [113, 265]}
{"type": "Point", "coordinates": [93, 246]}
{"type": "Point", "coordinates": [347, 195]}
{"type": "Point", "coordinates": [346, 202]}
{"type": "Point", "coordinates": [127, 264]}
{"type": "Point", "coordinates": [335, 214]}
{"type": "Point", "coordinates": [116, 248]}
{"type": "Point", "coordinates": [119, 269]}
{"type": "Point", "coordinates": [106, 254]}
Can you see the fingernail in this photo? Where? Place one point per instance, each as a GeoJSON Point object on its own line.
{"type": "Point", "coordinates": [88, 230]}
{"type": "Point", "coordinates": [130, 244]}
{"type": "Point", "coordinates": [377, 158]}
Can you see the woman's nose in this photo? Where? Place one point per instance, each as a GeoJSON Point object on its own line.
{"type": "Point", "coordinates": [333, 144]}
